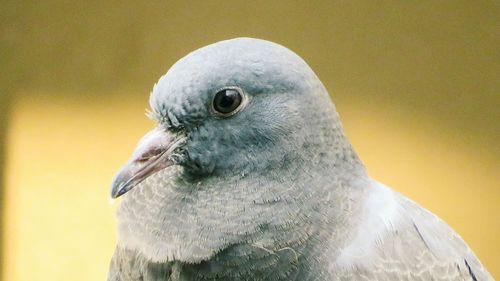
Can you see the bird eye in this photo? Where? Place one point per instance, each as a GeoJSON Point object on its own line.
{"type": "Point", "coordinates": [228, 101]}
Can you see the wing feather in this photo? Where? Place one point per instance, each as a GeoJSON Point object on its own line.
{"type": "Point", "coordinates": [414, 245]}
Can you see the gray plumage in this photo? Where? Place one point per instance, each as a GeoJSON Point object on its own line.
{"type": "Point", "coordinates": [272, 192]}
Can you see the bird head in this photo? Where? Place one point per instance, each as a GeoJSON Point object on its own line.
{"type": "Point", "coordinates": [230, 114]}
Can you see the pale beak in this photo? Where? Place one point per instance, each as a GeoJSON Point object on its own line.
{"type": "Point", "coordinates": [152, 154]}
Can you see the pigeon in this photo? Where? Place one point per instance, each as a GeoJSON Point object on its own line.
{"type": "Point", "coordinates": [248, 175]}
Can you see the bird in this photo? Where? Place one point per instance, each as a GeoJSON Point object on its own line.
{"type": "Point", "coordinates": [248, 175]}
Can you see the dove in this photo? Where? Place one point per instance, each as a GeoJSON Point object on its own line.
{"type": "Point", "coordinates": [248, 175]}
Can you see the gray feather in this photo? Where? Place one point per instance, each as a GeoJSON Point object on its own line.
{"type": "Point", "coordinates": [274, 192]}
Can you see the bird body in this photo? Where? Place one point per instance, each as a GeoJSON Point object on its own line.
{"type": "Point", "coordinates": [249, 176]}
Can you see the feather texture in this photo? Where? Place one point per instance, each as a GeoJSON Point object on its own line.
{"type": "Point", "coordinates": [273, 192]}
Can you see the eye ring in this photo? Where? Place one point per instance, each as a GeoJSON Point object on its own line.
{"type": "Point", "coordinates": [228, 101]}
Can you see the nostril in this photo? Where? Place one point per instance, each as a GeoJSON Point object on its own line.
{"type": "Point", "coordinates": [147, 155]}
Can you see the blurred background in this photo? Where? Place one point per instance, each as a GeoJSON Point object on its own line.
{"type": "Point", "coordinates": [416, 83]}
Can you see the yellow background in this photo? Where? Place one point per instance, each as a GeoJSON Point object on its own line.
{"type": "Point", "coordinates": [416, 84]}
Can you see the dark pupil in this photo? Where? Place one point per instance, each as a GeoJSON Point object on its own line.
{"type": "Point", "coordinates": [227, 100]}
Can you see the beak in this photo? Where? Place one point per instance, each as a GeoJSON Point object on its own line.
{"type": "Point", "coordinates": [151, 155]}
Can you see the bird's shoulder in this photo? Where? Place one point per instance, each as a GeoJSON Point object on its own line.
{"type": "Point", "coordinates": [396, 239]}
